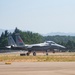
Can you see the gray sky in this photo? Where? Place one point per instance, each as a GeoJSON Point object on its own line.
{"type": "Point", "coordinates": [42, 16]}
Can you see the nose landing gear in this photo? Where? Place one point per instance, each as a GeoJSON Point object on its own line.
{"type": "Point", "coordinates": [47, 52]}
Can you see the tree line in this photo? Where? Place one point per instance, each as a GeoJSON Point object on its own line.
{"type": "Point", "coordinates": [32, 38]}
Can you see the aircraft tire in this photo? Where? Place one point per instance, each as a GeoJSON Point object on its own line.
{"type": "Point", "coordinates": [34, 53]}
{"type": "Point", "coordinates": [27, 54]}
{"type": "Point", "coordinates": [47, 53]}
{"type": "Point", "coordinates": [22, 54]}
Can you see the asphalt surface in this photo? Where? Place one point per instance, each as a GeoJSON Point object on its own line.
{"type": "Point", "coordinates": [37, 68]}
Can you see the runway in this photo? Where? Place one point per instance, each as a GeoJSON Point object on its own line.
{"type": "Point", "coordinates": [38, 68]}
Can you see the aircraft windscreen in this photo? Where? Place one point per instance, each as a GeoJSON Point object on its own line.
{"type": "Point", "coordinates": [51, 42]}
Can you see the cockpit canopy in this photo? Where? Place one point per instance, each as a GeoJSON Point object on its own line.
{"type": "Point", "coordinates": [50, 42]}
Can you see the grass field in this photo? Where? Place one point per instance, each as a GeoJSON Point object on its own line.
{"type": "Point", "coordinates": [57, 57]}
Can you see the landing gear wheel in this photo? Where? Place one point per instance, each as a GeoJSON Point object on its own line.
{"type": "Point", "coordinates": [34, 53]}
{"type": "Point", "coordinates": [53, 51]}
{"type": "Point", "coordinates": [27, 54]}
{"type": "Point", "coordinates": [47, 53]}
{"type": "Point", "coordinates": [22, 54]}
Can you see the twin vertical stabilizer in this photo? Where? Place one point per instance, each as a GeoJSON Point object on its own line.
{"type": "Point", "coordinates": [11, 41]}
{"type": "Point", "coordinates": [19, 41]}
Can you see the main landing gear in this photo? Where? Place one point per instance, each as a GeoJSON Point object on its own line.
{"type": "Point", "coordinates": [28, 53]}
{"type": "Point", "coordinates": [34, 53]}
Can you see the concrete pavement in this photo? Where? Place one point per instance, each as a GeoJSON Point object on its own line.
{"type": "Point", "coordinates": [37, 68]}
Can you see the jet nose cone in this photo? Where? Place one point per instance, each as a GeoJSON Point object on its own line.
{"type": "Point", "coordinates": [60, 46]}
{"type": "Point", "coordinates": [63, 46]}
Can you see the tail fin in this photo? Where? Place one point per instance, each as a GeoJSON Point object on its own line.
{"type": "Point", "coordinates": [19, 41]}
{"type": "Point", "coordinates": [11, 41]}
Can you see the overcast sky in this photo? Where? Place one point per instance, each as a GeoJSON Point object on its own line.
{"type": "Point", "coordinates": [42, 16]}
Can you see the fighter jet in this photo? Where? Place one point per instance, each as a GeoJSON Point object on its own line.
{"type": "Point", "coordinates": [45, 46]}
